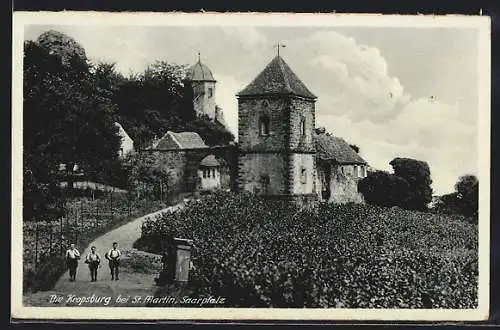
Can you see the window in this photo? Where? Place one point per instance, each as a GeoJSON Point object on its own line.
{"type": "Point", "coordinates": [210, 92]}
{"type": "Point", "coordinates": [356, 173]}
{"type": "Point", "coordinates": [264, 125]}
{"type": "Point", "coordinates": [303, 175]}
{"type": "Point", "coordinates": [303, 126]}
{"type": "Point", "coordinates": [204, 173]}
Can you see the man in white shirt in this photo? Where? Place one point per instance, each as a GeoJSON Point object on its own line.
{"type": "Point", "coordinates": [113, 256]}
{"type": "Point", "coordinates": [93, 260]}
{"type": "Point", "coordinates": [72, 257]}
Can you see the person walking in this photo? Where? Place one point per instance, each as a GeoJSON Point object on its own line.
{"type": "Point", "coordinates": [93, 260]}
{"type": "Point", "coordinates": [72, 257]}
{"type": "Point", "coordinates": [113, 256]}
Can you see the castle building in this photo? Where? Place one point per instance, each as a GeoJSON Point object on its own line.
{"type": "Point", "coordinates": [276, 122]}
{"type": "Point", "coordinates": [280, 152]}
{"type": "Point", "coordinates": [126, 143]}
{"type": "Point", "coordinates": [202, 84]}
{"type": "Point", "coordinates": [203, 87]}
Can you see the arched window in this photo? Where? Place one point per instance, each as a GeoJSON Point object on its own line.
{"type": "Point", "coordinates": [303, 175]}
{"type": "Point", "coordinates": [303, 126]}
{"type": "Point", "coordinates": [264, 182]}
{"type": "Point", "coordinates": [264, 125]}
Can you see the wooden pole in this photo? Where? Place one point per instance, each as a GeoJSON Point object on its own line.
{"type": "Point", "coordinates": [36, 246]}
{"type": "Point", "coordinates": [61, 235]}
{"type": "Point", "coordinates": [50, 237]}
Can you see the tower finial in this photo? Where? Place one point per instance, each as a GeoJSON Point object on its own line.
{"type": "Point", "coordinates": [278, 46]}
{"type": "Point", "coordinates": [199, 58]}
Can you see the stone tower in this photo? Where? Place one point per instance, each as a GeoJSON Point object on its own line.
{"type": "Point", "coordinates": [276, 116]}
{"type": "Point", "coordinates": [203, 85]}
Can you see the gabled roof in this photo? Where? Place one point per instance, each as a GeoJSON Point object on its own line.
{"type": "Point", "coordinates": [121, 131]}
{"type": "Point", "coordinates": [277, 78]}
{"type": "Point", "coordinates": [199, 72]}
{"type": "Point", "coordinates": [209, 161]}
{"type": "Point", "coordinates": [183, 140]}
{"type": "Point", "coordinates": [332, 148]}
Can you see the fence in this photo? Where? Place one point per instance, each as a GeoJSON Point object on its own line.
{"type": "Point", "coordinates": [83, 219]}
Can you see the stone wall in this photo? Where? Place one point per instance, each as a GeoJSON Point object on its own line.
{"type": "Point", "coordinates": [302, 184]}
{"type": "Point", "coordinates": [302, 109]}
{"type": "Point", "coordinates": [174, 162]}
{"type": "Point", "coordinates": [203, 102]}
{"type": "Point", "coordinates": [253, 167]}
{"type": "Point", "coordinates": [343, 184]}
{"type": "Point", "coordinates": [250, 111]}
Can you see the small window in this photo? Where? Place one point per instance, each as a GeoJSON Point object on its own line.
{"type": "Point", "coordinates": [303, 175]}
{"type": "Point", "coordinates": [356, 173]}
{"type": "Point", "coordinates": [303, 126]}
{"type": "Point", "coordinates": [204, 173]}
{"type": "Point", "coordinates": [264, 125]}
{"type": "Point", "coordinates": [210, 92]}
{"type": "Point", "coordinates": [265, 104]}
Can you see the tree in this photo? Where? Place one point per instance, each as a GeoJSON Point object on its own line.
{"type": "Point", "coordinates": [384, 189]}
{"type": "Point", "coordinates": [464, 200]}
{"type": "Point", "coordinates": [68, 116]}
{"type": "Point", "coordinates": [418, 176]}
{"type": "Point", "coordinates": [160, 99]}
{"type": "Point", "coordinates": [147, 175]}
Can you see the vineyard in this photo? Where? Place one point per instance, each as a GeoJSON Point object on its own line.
{"type": "Point", "coordinates": [84, 218]}
{"type": "Point", "coordinates": [261, 253]}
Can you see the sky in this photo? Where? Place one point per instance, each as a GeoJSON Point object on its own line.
{"type": "Point", "coordinates": [393, 91]}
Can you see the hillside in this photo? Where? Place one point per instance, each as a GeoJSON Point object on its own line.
{"type": "Point", "coordinates": [261, 253]}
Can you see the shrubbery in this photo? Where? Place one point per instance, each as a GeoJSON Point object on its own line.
{"type": "Point", "coordinates": [261, 253]}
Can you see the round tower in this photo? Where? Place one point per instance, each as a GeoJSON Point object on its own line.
{"type": "Point", "coordinates": [203, 84]}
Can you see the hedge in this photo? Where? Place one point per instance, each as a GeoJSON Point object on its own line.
{"type": "Point", "coordinates": [260, 253]}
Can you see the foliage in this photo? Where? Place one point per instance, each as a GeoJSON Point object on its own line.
{"type": "Point", "coordinates": [158, 100]}
{"type": "Point", "coordinates": [68, 116]}
{"type": "Point", "coordinates": [464, 200]}
{"type": "Point", "coordinates": [84, 219]}
{"type": "Point", "coordinates": [147, 176]}
{"type": "Point", "coordinates": [260, 253]}
{"type": "Point", "coordinates": [418, 176]}
{"type": "Point", "coordinates": [384, 189]}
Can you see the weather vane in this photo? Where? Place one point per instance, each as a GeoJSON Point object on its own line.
{"type": "Point", "coordinates": [278, 46]}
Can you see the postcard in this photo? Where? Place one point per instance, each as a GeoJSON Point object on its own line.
{"type": "Point", "coordinates": [250, 166]}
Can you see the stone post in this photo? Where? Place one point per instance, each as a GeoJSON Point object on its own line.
{"type": "Point", "coordinates": [183, 259]}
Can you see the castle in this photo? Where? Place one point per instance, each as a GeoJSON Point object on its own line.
{"type": "Point", "coordinates": [280, 152]}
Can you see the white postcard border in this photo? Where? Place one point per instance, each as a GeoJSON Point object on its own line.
{"type": "Point", "coordinates": [481, 23]}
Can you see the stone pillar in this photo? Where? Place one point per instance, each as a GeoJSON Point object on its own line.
{"type": "Point", "coordinates": [183, 259]}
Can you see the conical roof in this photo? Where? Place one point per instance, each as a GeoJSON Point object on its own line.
{"type": "Point", "coordinates": [277, 78]}
{"type": "Point", "coordinates": [199, 72]}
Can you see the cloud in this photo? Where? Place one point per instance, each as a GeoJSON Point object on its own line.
{"type": "Point", "coordinates": [424, 129]}
{"type": "Point", "coordinates": [352, 76]}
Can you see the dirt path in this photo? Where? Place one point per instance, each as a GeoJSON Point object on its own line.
{"type": "Point", "coordinates": [131, 283]}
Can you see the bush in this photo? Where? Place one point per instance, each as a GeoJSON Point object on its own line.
{"type": "Point", "coordinates": [260, 253]}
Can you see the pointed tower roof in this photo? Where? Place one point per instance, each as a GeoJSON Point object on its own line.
{"type": "Point", "coordinates": [199, 72]}
{"type": "Point", "coordinates": [277, 78]}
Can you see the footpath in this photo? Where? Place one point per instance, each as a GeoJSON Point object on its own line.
{"type": "Point", "coordinates": [137, 272]}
